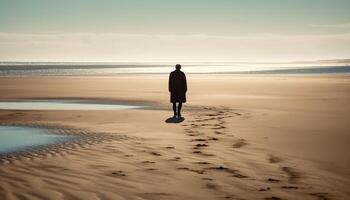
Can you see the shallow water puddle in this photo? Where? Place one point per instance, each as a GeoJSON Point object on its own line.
{"type": "Point", "coordinates": [22, 138]}
{"type": "Point", "coordinates": [62, 105]}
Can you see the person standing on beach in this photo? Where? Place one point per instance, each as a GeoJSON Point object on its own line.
{"type": "Point", "coordinates": [177, 89]}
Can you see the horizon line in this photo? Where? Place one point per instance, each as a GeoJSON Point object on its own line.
{"type": "Point", "coordinates": [335, 60]}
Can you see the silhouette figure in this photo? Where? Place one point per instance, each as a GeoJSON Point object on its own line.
{"type": "Point", "coordinates": [177, 89]}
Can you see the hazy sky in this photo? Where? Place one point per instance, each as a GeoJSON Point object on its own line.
{"type": "Point", "coordinates": [168, 30]}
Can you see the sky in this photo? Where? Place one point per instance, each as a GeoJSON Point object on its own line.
{"type": "Point", "coordinates": [168, 30]}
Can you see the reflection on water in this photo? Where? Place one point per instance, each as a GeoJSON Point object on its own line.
{"type": "Point", "coordinates": [62, 105]}
{"type": "Point", "coordinates": [21, 138]}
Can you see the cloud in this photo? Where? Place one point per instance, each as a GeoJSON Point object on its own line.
{"type": "Point", "coordinates": [142, 47]}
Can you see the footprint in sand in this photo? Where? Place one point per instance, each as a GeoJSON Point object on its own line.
{"type": "Point", "coordinates": [264, 189]}
{"type": "Point", "coordinates": [289, 187]}
{"type": "Point", "coordinates": [273, 198]}
{"type": "Point", "coordinates": [203, 154]}
{"type": "Point", "coordinates": [228, 197]}
{"type": "Point", "coordinates": [239, 176]}
{"type": "Point", "coordinates": [192, 170]}
{"type": "Point", "coordinates": [154, 195]}
{"type": "Point", "coordinates": [202, 163]}
{"type": "Point", "coordinates": [273, 180]}
{"type": "Point", "coordinates": [119, 173]}
{"type": "Point", "coordinates": [199, 140]}
{"type": "Point", "coordinates": [240, 143]}
{"type": "Point", "coordinates": [155, 153]}
{"type": "Point", "coordinates": [200, 145]}
{"type": "Point", "coordinates": [195, 134]}
{"type": "Point", "coordinates": [148, 162]}
{"type": "Point", "coordinates": [151, 169]}
{"type": "Point", "coordinates": [274, 159]}
{"type": "Point", "coordinates": [235, 173]}
{"type": "Point", "coordinates": [213, 115]}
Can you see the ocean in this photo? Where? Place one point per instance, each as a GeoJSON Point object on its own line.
{"type": "Point", "coordinates": [112, 69]}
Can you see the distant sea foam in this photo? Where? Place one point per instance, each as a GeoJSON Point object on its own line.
{"type": "Point", "coordinates": [82, 69]}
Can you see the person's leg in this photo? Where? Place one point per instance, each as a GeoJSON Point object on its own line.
{"type": "Point", "coordinates": [179, 109]}
{"type": "Point", "coordinates": [174, 109]}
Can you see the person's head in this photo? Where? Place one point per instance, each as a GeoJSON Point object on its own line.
{"type": "Point", "coordinates": [178, 66]}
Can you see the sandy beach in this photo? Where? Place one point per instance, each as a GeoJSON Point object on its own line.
{"type": "Point", "coordinates": [243, 137]}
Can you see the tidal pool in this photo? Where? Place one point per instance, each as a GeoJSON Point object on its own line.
{"type": "Point", "coordinates": [21, 138]}
{"type": "Point", "coordinates": [63, 105]}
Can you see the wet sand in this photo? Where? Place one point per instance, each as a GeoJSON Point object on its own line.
{"type": "Point", "coordinates": [250, 137]}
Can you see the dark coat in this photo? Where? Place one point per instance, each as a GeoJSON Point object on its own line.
{"type": "Point", "coordinates": [177, 86]}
